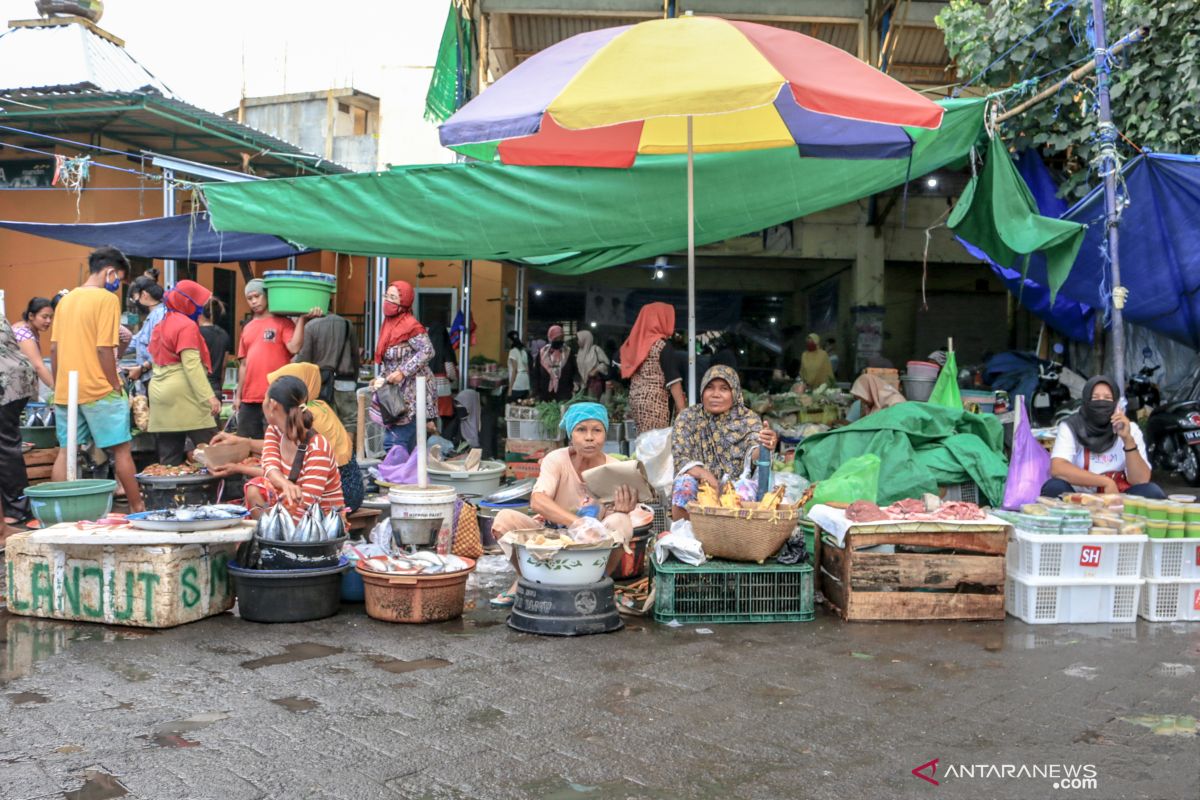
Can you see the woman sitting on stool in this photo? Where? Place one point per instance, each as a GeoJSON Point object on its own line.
{"type": "Point", "coordinates": [1098, 449]}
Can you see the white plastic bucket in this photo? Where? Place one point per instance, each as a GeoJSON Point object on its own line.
{"type": "Point", "coordinates": [412, 504]}
{"type": "Point", "coordinates": [483, 482]}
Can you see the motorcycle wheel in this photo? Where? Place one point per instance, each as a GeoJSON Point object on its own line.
{"type": "Point", "coordinates": [1189, 465]}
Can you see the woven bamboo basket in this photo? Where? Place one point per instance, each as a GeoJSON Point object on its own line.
{"type": "Point", "coordinates": [742, 534]}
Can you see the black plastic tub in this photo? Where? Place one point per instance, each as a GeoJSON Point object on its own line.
{"type": "Point", "coordinates": [288, 595]}
{"type": "Point", "coordinates": [275, 554]}
{"type": "Point", "coordinates": [565, 610]}
{"type": "Point", "coordinates": [172, 491]}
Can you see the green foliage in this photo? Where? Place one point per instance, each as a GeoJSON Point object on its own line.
{"type": "Point", "coordinates": [1155, 84]}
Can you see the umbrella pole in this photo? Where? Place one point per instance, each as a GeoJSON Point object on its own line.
{"type": "Point", "coordinates": [691, 267]}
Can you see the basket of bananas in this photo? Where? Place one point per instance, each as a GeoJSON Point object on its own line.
{"type": "Point", "coordinates": [741, 530]}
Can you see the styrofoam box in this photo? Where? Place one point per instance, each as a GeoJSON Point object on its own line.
{"type": "Point", "coordinates": [1050, 555]}
{"type": "Point", "coordinates": [1172, 558]}
{"type": "Point", "coordinates": [1058, 600]}
{"type": "Point", "coordinates": [1170, 601]}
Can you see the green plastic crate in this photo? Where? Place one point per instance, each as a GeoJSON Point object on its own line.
{"type": "Point", "coordinates": [730, 591]}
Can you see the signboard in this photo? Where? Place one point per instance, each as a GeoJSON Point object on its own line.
{"type": "Point", "coordinates": [26, 174]}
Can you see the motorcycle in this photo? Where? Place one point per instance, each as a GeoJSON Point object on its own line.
{"type": "Point", "coordinates": [1172, 437]}
{"type": "Point", "coordinates": [1143, 393]}
{"type": "Point", "coordinates": [1050, 396]}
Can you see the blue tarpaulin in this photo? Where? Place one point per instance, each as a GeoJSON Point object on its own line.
{"type": "Point", "coordinates": [1160, 253]}
{"type": "Point", "coordinates": [182, 237]}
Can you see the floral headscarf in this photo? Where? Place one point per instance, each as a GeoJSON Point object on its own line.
{"type": "Point", "coordinates": [718, 441]}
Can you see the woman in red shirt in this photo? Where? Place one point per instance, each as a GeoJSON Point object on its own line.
{"type": "Point", "coordinates": [298, 463]}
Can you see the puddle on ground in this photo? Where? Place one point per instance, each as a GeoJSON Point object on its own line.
{"type": "Point", "coordinates": [170, 734]}
{"type": "Point", "coordinates": [97, 785]}
{"type": "Point", "coordinates": [27, 641]}
{"type": "Point", "coordinates": [296, 705]}
{"type": "Point", "coordinates": [560, 789]}
{"type": "Point", "coordinates": [25, 698]}
{"type": "Point", "coordinates": [1081, 670]}
{"type": "Point", "coordinates": [397, 666]}
{"type": "Point", "coordinates": [131, 673]}
{"type": "Point", "coordinates": [487, 716]}
{"type": "Point", "coordinates": [292, 653]}
{"type": "Point", "coordinates": [1166, 724]}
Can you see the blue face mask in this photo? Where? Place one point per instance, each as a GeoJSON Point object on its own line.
{"type": "Point", "coordinates": [113, 286]}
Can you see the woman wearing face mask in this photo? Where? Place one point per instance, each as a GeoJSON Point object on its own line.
{"type": "Point", "coordinates": [710, 440]}
{"type": "Point", "coordinates": [146, 295]}
{"type": "Point", "coordinates": [182, 402]}
{"type": "Point", "coordinates": [555, 370]}
{"type": "Point", "coordinates": [1097, 449]}
{"type": "Point", "coordinates": [560, 492]}
{"type": "Point", "coordinates": [404, 352]}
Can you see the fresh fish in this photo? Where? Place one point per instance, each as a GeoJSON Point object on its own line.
{"type": "Point", "coordinates": [287, 526]}
{"type": "Point", "coordinates": [334, 528]}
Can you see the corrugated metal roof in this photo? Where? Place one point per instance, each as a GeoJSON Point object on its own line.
{"type": "Point", "coordinates": [70, 57]}
{"type": "Point", "coordinates": [920, 56]}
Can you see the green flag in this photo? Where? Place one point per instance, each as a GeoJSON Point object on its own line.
{"type": "Point", "coordinates": [450, 84]}
{"type": "Point", "coordinates": [945, 391]}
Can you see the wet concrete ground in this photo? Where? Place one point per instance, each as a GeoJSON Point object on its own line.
{"type": "Point", "coordinates": [353, 708]}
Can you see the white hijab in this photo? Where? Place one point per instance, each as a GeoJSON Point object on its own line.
{"type": "Point", "coordinates": [590, 356]}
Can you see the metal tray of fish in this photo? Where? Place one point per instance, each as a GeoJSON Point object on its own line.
{"type": "Point", "coordinates": [187, 519]}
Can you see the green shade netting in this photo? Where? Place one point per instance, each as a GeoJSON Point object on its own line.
{"type": "Point", "coordinates": [921, 446]}
{"type": "Point", "coordinates": [997, 214]}
{"type": "Point", "coordinates": [571, 220]}
{"type": "Point", "coordinates": [945, 391]}
{"type": "Point", "coordinates": [449, 86]}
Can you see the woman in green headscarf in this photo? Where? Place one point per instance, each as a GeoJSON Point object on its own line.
{"type": "Point", "coordinates": [710, 440]}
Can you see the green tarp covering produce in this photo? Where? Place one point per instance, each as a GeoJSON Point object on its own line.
{"type": "Point", "coordinates": [997, 214]}
{"type": "Point", "coordinates": [571, 220]}
{"type": "Point", "coordinates": [921, 446]}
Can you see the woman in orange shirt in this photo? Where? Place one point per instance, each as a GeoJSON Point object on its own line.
{"type": "Point", "coordinates": [298, 463]}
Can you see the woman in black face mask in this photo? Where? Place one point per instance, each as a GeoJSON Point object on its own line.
{"type": "Point", "coordinates": [1097, 449]}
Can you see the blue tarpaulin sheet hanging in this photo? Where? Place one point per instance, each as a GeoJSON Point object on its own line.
{"type": "Point", "coordinates": [180, 237]}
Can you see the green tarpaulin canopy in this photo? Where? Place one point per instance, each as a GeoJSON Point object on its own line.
{"type": "Point", "coordinates": [571, 220]}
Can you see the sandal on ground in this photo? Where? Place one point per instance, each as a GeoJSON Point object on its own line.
{"type": "Point", "coordinates": [503, 600]}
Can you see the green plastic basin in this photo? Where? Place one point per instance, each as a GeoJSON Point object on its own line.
{"type": "Point", "coordinates": [291, 293]}
{"type": "Point", "coordinates": [40, 436]}
{"type": "Point", "coordinates": [71, 501]}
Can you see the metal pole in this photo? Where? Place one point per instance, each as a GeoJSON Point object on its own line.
{"type": "Point", "coordinates": [381, 284]}
{"type": "Point", "coordinates": [464, 340]}
{"type": "Point", "coordinates": [519, 315]}
{"type": "Point", "coordinates": [168, 176]}
{"type": "Point", "coordinates": [691, 269]}
{"type": "Point", "coordinates": [1108, 168]}
{"type": "Point", "coordinates": [291, 263]}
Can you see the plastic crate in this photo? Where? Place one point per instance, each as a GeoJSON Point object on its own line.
{"type": "Point", "coordinates": [522, 470]}
{"type": "Point", "coordinates": [528, 429]}
{"type": "Point", "coordinates": [520, 412]}
{"type": "Point", "coordinates": [1172, 558]}
{"type": "Point", "coordinates": [631, 431]}
{"type": "Point", "coordinates": [1049, 555]}
{"type": "Point", "coordinates": [966, 492]}
{"type": "Point", "coordinates": [615, 433]}
{"type": "Point", "coordinates": [1170, 601]}
{"type": "Point", "coordinates": [1058, 600]}
{"type": "Point", "coordinates": [726, 591]}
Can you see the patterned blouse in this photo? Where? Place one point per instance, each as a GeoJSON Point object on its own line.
{"type": "Point", "coordinates": [412, 358]}
{"type": "Point", "coordinates": [18, 380]}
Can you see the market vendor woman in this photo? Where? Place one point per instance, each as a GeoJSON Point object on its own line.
{"type": "Point", "coordinates": [1097, 449]}
{"type": "Point", "coordinates": [560, 493]}
{"type": "Point", "coordinates": [711, 439]}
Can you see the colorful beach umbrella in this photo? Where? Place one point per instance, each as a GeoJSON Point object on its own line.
{"type": "Point", "coordinates": [687, 85]}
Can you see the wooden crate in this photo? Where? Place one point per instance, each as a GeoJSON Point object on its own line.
{"type": "Point", "coordinates": [521, 470]}
{"type": "Point", "coordinates": [959, 574]}
{"type": "Point", "coordinates": [39, 463]}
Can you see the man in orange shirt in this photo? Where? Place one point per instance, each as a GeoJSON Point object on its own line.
{"type": "Point", "coordinates": [83, 339]}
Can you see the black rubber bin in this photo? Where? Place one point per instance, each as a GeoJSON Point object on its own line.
{"type": "Point", "coordinates": [565, 610]}
{"type": "Point", "coordinates": [173, 491]}
{"type": "Point", "coordinates": [274, 554]}
{"type": "Point", "coordinates": [288, 595]}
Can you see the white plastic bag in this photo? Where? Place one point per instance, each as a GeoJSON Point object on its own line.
{"type": "Point", "coordinates": [653, 449]}
{"type": "Point", "coordinates": [682, 543]}
{"type": "Point", "coordinates": [381, 535]}
{"type": "Point", "coordinates": [794, 485]}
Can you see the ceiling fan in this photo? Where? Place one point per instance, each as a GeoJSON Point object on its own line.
{"type": "Point", "coordinates": [421, 271]}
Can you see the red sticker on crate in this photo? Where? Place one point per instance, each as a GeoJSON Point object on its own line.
{"type": "Point", "coordinates": [1196, 601]}
{"type": "Point", "coordinates": [1089, 556]}
{"type": "Point", "coordinates": [1197, 551]}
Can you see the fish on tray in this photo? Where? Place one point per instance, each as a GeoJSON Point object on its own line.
{"type": "Point", "coordinates": [192, 513]}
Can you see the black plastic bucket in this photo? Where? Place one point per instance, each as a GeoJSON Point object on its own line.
{"type": "Point", "coordinates": [274, 554]}
{"type": "Point", "coordinates": [565, 610]}
{"type": "Point", "coordinates": [173, 491]}
{"type": "Point", "coordinates": [288, 595]}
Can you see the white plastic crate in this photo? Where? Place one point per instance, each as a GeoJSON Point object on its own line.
{"type": "Point", "coordinates": [1172, 558]}
{"type": "Point", "coordinates": [529, 429]}
{"type": "Point", "coordinates": [966, 492]}
{"type": "Point", "coordinates": [1062, 600]}
{"type": "Point", "coordinates": [513, 411]}
{"type": "Point", "coordinates": [1170, 601]}
{"type": "Point", "coordinates": [1097, 558]}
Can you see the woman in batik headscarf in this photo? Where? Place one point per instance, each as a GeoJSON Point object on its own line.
{"type": "Point", "coordinates": [555, 370]}
{"type": "Point", "coordinates": [710, 440]}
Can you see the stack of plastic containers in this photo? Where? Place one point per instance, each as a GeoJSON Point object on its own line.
{"type": "Point", "coordinates": [1061, 568]}
{"type": "Point", "coordinates": [1171, 566]}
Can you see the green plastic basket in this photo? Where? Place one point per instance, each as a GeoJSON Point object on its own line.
{"type": "Point", "coordinates": [71, 501]}
{"type": "Point", "coordinates": [728, 591]}
{"type": "Point", "coordinates": [291, 292]}
{"type": "Point", "coordinates": [40, 436]}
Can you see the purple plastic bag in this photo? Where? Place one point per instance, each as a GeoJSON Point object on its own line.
{"type": "Point", "coordinates": [1029, 466]}
{"type": "Point", "coordinates": [399, 466]}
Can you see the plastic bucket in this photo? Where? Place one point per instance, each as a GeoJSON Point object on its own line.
{"type": "Point", "coordinates": [918, 389]}
{"type": "Point", "coordinates": [275, 554]}
{"type": "Point", "coordinates": [40, 436]}
{"type": "Point", "coordinates": [291, 293]}
{"type": "Point", "coordinates": [415, 598]}
{"type": "Point", "coordinates": [352, 584]}
{"type": "Point", "coordinates": [986, 401]}
{"type": "Point", "coordinates": [172, 491]}
{"type": "Point", "coordinates": [288, 595]}
{"type": "Point", "coordinates": [70, 501]}
{"type": "Point", "coordinates": [923, 369]}
{"type": "Point", "coordinates": [421, 515]}
{"type": "Point", "coordinates": [631, 565]}
{"type": "Point", "coordinates": [482, 482]}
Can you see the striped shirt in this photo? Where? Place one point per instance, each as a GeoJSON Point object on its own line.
{"type": "Point", "coordinates": [319, 477]}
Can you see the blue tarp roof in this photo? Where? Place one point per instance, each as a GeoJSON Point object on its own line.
{"type": "Point", "coordinates": [181, 237]}
{"type": "Point", "coordinates": [1160, 253]}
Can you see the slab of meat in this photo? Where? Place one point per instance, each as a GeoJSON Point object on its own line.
{"type": "Point", "coordinates": [865, 511]}
{"type": "Point", "coordinates": [954, 509]}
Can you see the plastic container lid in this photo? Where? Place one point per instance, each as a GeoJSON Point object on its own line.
{"type": "Point", "coordinates": [324, 277]}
